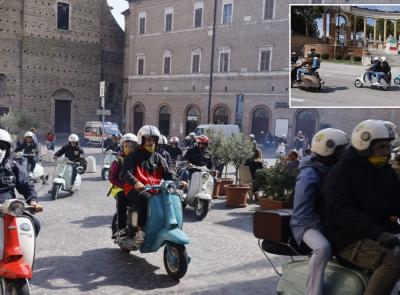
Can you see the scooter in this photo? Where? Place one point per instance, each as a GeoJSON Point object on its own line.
{"type": "Point", "coordinates": [397, 80]}
{"type": "Point", "coordinates": [62, 178]}
{"type": "Point", "coordinates": [362, 81]}
{"type": "Point", "coordinates": [108, 159]}
{"type": "Point", "coordinates": [163, 228]}
{"type": "Point", "coordinates": [38, 173]}
{"type": "Point", "coordinates": [18, 240]}
{"type": "Point", "coordinates": [199, 192]}
{"type": "Point", "coordinates": [308, 81]}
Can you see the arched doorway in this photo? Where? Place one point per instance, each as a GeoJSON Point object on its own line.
{"type": "Point", "coordinates": [221, 115]}
{"type": "Point", "coordinates": [138, 117]}
{"type": "Point", "coordinates": [260, 124]}
{"type": "Point", "coordinates": [306, 121]}
{"type": "Point", "coordinates": [164, 119]}
{"type": "Point", "coordinates": [62, 111]}
{"type": "Point", "coordinates": [192, 119]}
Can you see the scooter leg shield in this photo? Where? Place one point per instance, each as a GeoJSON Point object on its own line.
{"type": "Point", "coordinates": [339, 280]}
{"type": "Point", "coordinates": [175, 236]}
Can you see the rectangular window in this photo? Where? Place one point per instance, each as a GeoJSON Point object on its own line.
{"type": "Point", "coordinates": [265, 56]}
{"type": "Point", "coordinates": [196, 63]}
{"type": "Point", "coordinates": [62, 16]}
{"type": "Point", "coordinates": [269, 9]}
{"type": "Point", "coordinates": [142, 23]}
{"type": "Point", "coordinates": [198, 17]}
{"type": "Point", "coordinates": [140, 65]}
{"type": "Point", "coordinates": [227, 16]}
{"type": "Point", "coordinates": [168, 22]}
{"type": "Point", "coordinates": [224, 62]}
{"type": "Point", "coordinates": [167, 65]}
{"type": "Point", "coordinates": [316, 1]}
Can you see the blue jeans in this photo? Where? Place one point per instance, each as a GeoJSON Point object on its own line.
{"type": "Point", "coordinates": [301, 70]}
{"type": "Point", "coordinates": [379, 75]}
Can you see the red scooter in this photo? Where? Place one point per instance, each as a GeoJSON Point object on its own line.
{"type": "Point", "coordinates": [17, 247]}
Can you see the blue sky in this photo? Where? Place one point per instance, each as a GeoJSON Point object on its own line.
{"type": "Point", "coordinates": [119, 6]}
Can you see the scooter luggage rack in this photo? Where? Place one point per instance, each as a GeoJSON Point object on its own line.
{"type": "Point", "coordinates": [280, 250]}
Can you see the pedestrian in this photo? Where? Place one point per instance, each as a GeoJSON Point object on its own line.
{"type": "Point", "coordinates": [255, 163]}
{"type": "Point", "coordinates": [50, 141]}
{"type": "Point", "coordinates": [34, 137]}
{"type": "Point", "coordinates": [298, 141]}
{"type": "Point", "coordinates": [292, 160]}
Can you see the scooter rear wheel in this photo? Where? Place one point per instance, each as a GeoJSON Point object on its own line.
{"type": "Point", "coordinates": [17, 287]}
{"type": "Point", "coordinates": [55, 191]}
{"type": "Point", "coordinates": [104, 174]}
{"type": "Point", "coordinates": [397, 81]}
{"type": "Point", "coordinates": [201, 209]}
{"type": "Point", "coordinates": [176, 260]}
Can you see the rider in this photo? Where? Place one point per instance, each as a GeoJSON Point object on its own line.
{"type": "Point", "coordinates": [191, 140]}
{"type": "Point", "coordinates": [326, 147]}
{"type": "Point", "coordinates": [198, 156]}
{"type": "Point", "coordinates": [294, 58]}
{"type": "Point", "coordinates": [144, 167]}
{"type": "Point", "coordinates": [173, 149]}
{"type": "Point", "coordinates": [29, 147]}
{"type": "Point", "coordinates": [162, 149]}
{"type": "Point", "coordinates": [12, 177]}
{"type": "Point", "coordinates": [385, 69]}
{"type": "Point", "coordinates": [361, 205]}
{"type": "Point", "coordinates": [73, 152]}
{"type": "Point", "coordinates": [305, 66]}
{"type": "Point", "coordinates": [128, 146]}
{"type": "Point", "coordinates": [374, 69]}
{"type": "Point", "coordinates": [115, 145]}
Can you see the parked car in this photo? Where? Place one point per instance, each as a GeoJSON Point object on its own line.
{"type": "Point", "coordinates": [228, 130]}
{"type": "Point", "coordinates": [94, 132]}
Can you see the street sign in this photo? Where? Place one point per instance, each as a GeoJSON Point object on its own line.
{"type": "Point", "coordinates": [102, 88]}
{"type": "Point", "coordinates": [103, 112]}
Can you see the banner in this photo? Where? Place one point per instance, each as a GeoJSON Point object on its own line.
{"type": "Point", "coordinates": [239, 109]}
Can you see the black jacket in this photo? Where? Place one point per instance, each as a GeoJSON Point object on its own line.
{"type": "Point", "coordinates": [199, 157]}
{"type": "Point", "coordinates": [359, 200]}
{"type": "Point", "coordinates": [376, 66]}
{"type": "Point", "coordinates": [140, 161]}
{"type": "Point", "coordinates": [13, 176]}
{"type": "Point", "coordinates": [72, 153]}
{"type": "Point", "coordinates": [28, 148]}
{"type": "Point", "coordinates": [385, 67]}
{"type": "Point", "coordinates": [174, 152]}
{"type": "Point", "coordinates": [114, 146]}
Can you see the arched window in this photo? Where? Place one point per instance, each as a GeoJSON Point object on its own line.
{"type": "Point", "coordinates": [138, 117]}
{"type": "Point", "coordinates": [221, 115]}
{"type": "Point", "coordinates": [192, 119]}
{"type": "Point", "coordinates": [164, 119]}
{"type": "Point", "coordinates": [260, 124]}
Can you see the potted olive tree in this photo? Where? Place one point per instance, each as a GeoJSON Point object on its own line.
{"type": "Point", "coordinates": [237, 148]}
{"type": "Point", "coordinates": [277, 186]}
{"type": "Point", "coordinates": [219, 158]}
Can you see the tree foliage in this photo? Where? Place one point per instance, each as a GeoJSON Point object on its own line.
{"type": "Point", "coordinates": [304, 20]}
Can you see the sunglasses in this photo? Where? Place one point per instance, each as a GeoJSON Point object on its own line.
{"type": "Point", "coordinates": [4, 145]}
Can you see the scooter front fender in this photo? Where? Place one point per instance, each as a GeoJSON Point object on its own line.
{"type": "Point", "coordinates": [16, 270]}
{"type": "Point", "coordinates": [176, 236]}
{"type": "Point", "coordinates": [204, 196]}
{"type": "Point", "coordinates": [59, 181]}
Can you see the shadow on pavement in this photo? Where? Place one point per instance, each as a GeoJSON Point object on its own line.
{"type": "Point", "coordinates": [241, 221]}
{"type": "Point", "coordinates": [327, 89]}
{"type": "Point", "coordinates": [94, 178]}
{"type": "Point", "coordinates": [97, 268]}
{"type": "Point", "coordinates": [95, 221]}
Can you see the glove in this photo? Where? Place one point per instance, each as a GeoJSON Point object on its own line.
{"type": "Point", "coordinates": [389, 240]}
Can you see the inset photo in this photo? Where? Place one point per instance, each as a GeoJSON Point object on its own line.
{"type": "Point", "coordinates": [345, 56]}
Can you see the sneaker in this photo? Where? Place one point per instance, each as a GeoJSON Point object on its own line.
{"type": "Point", "coordinates": [139, 237]}
{"type": "Point", "coordinates": [122, 233]}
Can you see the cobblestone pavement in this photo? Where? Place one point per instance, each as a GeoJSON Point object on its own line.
{"type": "Point", "coordinates": [76, 255]}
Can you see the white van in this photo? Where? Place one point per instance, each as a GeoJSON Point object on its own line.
{"type": "Point", "coordinates": [228, 130]}
{"type": "Point", "coordinates": [94, 131]}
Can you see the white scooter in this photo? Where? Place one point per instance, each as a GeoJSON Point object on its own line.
{"type": "Point", "coordinates": [108, 159]}
{"type": "Point", "coordinates": [17, 243]}
{"type": "Point", "coordinates": [38, 173]}
{"type": "Point", "coordinates": [363, 81]}
{"type": "Point", "coordinates": [199, 193]}
{"type": "Point", "coordinates": [62, 178]}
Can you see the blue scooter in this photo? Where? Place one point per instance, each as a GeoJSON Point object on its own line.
{"type": "Point", "coordinates": [397, 80]}
{"type": "Point", "coordinates": [163, 228]}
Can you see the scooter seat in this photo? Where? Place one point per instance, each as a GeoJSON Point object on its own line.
{"type": "Point", "coordinates": [285, 249]}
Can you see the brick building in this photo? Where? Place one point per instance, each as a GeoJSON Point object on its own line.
{"type": "Point", "coordinates": [53, 55]}
{"type": "Point", "coordinates": [168, 48]}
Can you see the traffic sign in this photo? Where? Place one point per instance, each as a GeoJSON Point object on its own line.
{"type": "Point", "coordinates": [103, 112]}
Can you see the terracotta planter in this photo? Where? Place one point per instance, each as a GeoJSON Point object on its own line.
{"type": "Point", "coordinates": [215, 190]}
{"type": "Point", "coordinates": [271, 204]}
{"type": "Point", "coordinates": [236, 196]}
{"type": "Point", "coordinates": [221, 182]}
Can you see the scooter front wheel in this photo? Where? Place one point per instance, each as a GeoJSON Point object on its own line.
{"type": "Point", "coordinates": [201, 209]}
{"type": "Point", "coordinates": [358, 83]}
{"type": "Point", "coordinates": [17, 287]}
{"type": "Point", "coordinates": [176, 260]}
{"type": "Point", "coordinates": [104, 174]}
{"type": "Point", "coordinates": [55, 191]}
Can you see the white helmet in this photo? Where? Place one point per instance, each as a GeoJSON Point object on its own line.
{"type": "Point", "coordinates": [128, 137]}
{"type": "Point", "coordinates": [192, 134]}
{"type": "Point", "coordinates": [327, 140]}
{"type": "Point", "coordinates": [5, 136]}
{"type": "Point", "coordinates": [148, 131]}
{"type": "Point", "coordinates": [376, 58]}
{"type": "Point", "coordinates": [383, 58]}
{"type": "Point", "coordinates": [28, 134]}
{"type": "Point", "coordinates": [174, 139]}
{"type": "Point", "coordinates": [162, 140]}
{"type": "Point", "coordinates": [367, 131]}
{"type": "Point", "coordinates": [73, 138]}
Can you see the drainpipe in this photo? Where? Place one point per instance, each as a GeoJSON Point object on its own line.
{"type": "Point", "coordinates": [212, 63]}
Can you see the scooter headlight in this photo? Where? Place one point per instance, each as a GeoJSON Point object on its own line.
{"type": "Point", "coordinates": [171, 188]}
{"type": "Point", "coordinates": [16, 208]}
{"type": "Point", "coordinates": [205, 176]}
